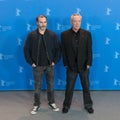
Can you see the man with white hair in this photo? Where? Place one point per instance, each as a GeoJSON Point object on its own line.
{"type": "Point", "coordinates": [77, 58]}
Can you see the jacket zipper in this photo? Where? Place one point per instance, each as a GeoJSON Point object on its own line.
{"type": "Point", "coordinates": [38, 50]}
{"type": "Point", "coordinates": [46, 50]}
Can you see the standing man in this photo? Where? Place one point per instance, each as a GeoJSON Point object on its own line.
{"type": "Point", "coordinates": [77, 58]}
{"type": "Point", "coordinates": [42, 52]}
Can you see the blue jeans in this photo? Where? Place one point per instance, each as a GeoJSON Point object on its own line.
{"type": "Point", "coordinates": [70, 83]}
{"type": "Point", "coordinates": [49, 73]}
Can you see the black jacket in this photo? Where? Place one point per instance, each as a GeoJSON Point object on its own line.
{"type": "Point", "coordinates": [31, 47]}
{"type": "Point", "coordinates": [84, 56]}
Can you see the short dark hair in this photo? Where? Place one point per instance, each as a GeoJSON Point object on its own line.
{"type": "Point", "coordinates": [41, 16]}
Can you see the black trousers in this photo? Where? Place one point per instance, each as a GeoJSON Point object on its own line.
{"type": "Point", "coordinates": [70, 83]}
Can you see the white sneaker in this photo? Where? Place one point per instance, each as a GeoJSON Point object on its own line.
{"type": "Point", "coordinates": [35, 110]}
{"type": "Point", "coordinates": [54, 107]}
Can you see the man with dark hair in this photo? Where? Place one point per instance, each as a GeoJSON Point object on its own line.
{"type": "Point", "coordinates": [42, 52]}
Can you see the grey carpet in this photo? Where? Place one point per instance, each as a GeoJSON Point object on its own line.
{"type": "Point", "coordinates": [16, 105]}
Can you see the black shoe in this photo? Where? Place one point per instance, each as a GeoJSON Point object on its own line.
{"type": "Point", "coordinates": [65, 110]}
{"type": "Point", "coordinates": [90, 110]}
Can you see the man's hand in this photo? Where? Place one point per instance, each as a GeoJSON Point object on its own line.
{"type": "Point", "coordinates": [88, 66]}
{"type": "Point", "coordinates": [52, 64]}
{"type": "Point", "coordinates": [33, 65]}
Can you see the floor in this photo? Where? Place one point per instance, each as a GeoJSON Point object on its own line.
{"type": "Point", "coordinates": [16, 105]}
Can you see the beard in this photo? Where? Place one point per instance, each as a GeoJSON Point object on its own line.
{"type": "Point", "coordinates": [42, 28]}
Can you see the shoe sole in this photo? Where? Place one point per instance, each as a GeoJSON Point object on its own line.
{"type": "Point", "coordinates": [55, 110]}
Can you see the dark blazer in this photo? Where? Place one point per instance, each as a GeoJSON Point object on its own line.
{"type": "Point", "coordinates": [84, 49]}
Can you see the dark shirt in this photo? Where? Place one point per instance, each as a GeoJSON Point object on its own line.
{"type": "Point", "coordinates": [75, 42]}
{"type": "Point", "coordinates": [43, 60]}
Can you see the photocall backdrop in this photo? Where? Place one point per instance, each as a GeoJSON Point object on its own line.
{"type": "Point", "coordinates": [100, 17]}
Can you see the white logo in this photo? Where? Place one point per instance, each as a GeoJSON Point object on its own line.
{"type": "Point", "coordinates": [5, 57]}
{"type": "Point", "coordinates": [116, 82]}
{"type": "Point", "coordinates": [61, 82]}
{"type": "Point", "coordinates": [88, 26]}
{"type": "Point", "coordinates": [28, 27]}
{"type": "Point", "coordinates": [20, 69]}
{"type": "Point", "coordinates": [1, 56]}
{"type": "Point", "coordinates": [78, 10]}
{"type": "Point", "coordinates": [5, 28]}
{"type": "Point", "coordinates": [107, 41]}
{"type": "Point", "coordinates": [96, 55]}
{"type": "Point", "coordinates": [61, 27]}
{"type": "Point", "coordinates": [19, 41]}
{"type": "Point", "coordinates": [94, 83]}
{"type": "Point", "coordinates": [106, 68]}
{"type": "Point", "coordinates": [18, 11]}
{"type": "Point", "coordinates": [31, 82]}
{"type": "Point", "coordinates": [58, 26]}
{"type": "Point", "coordinates": [108, 12]}
{"type": "Point", "coordinates": [116, 55]}
{"type": "Point", "coordinates": [48, 12]}
{"type": "Point", "coordinates": [117, 26]}
{"type": "Point", "coordinates": [92, 27]}
{"type": "Point", "coordinates": [2, 83]}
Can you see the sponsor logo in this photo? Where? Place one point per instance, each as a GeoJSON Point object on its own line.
{"type": "Point", "coordinates": [96, 55]}
{"type": "Point", "coordinates": [62, 27]}
{"type": "Point", "coordinates": [92, 27]}
{"type": "Point", "coordinates": [4, 83]}
{"type": "Point", "coordinates": [4, 28]}
{"type": "Point", "coordinates": [6, 57]}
